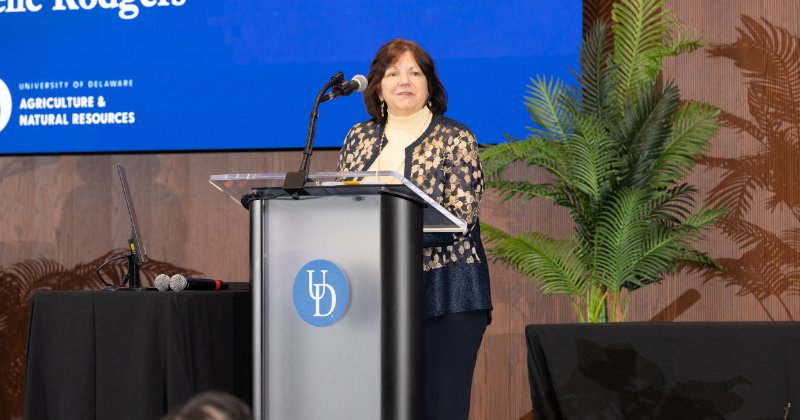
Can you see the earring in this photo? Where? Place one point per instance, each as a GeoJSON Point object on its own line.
{"type": "Point", "coordinates": [383, 114]}
{"type": "Point", "coordinates": [430, 104]}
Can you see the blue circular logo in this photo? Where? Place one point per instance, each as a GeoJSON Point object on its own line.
{"type": "Point", "coordinates": [321, 293]}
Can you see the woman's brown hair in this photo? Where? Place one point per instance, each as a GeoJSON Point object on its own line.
{"type": "Point", "coordinates": [388, 55]}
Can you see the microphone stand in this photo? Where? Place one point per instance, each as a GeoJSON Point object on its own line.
{"type": "Point", "coordinates": [133, 274]}
{"type": "Point", "coordinates": [132, 277]}
{"type": "Point", "coordinates": [295, 181]}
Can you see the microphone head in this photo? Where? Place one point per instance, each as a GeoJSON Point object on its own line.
{"type": "Point", "coordinates": [362, 82]}
{"type": "Point", "coordinates": [161, 282]}
{"type": "Point", "coordinates": [178, 282]}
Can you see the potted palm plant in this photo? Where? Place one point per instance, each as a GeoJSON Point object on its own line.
{"type": "Point", "coordinates": [617, 146]}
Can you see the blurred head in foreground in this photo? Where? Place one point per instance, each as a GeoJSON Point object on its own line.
{"type": "Point", "coordinates": [211, 405]}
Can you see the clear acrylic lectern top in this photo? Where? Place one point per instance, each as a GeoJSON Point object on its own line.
{"type": "Point", "coordinates": [322, 184]}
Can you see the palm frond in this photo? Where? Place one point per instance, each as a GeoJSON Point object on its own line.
{"type": "Point", "coordinates": [667, 247]}
{"type": "Point", "coordinates": [523, 190]}
{"type": "Point", "coordinates": [696, 260]}
{"type": "Point", "coordinates": [693, 125]}
{"type": "Point", "coordinates": [703, 217]}
{"type": "Point", "coordinates": [546, 101]}
{"type": "Point", "coordinates": [646, 130]}
{"type": "Point", "coordinates": [621, 228]}
{"type": "Point", "coordinates": [591, 160]}
{"type": "Point", "coordinates": [679, 41]}
{"type": "Point", "coordinates": [533, 151]}
{"type": "Point", "coordinates": [672, 207]}
{"type": "Point", "coordinates": [495, 158]}
{"type": "Point", "coordinates": [595, 70]}
{"type": "Point", "coordinates": [640, 28]}
{"type": "Point", "coordinates": [660, 253]}
{"type": "Point", "coordinates": [550, 261]}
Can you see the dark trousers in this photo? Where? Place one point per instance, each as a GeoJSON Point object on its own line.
{"type": "Point", "coordinates": [451, 344]}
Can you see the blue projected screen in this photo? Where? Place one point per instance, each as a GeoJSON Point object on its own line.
{"type": "Point", "coordinates": [161, 75]}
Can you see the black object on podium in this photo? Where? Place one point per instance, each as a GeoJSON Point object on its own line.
{"type": "Point", "coordinates": [337, 289]}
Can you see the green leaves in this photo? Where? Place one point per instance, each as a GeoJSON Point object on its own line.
{"type": "Point", "coordinates": [553, 262]}
{"type": "Point", "coordinates": [640, 29]}
{"type": "Point", "coordinates": [692, 125]}
{"type": "Point", "coordinates": [590, 165]}
{"type": "Point", "coordinates": [621, 235]}
{"type": "Point", "coordinates": [645, 131]}
{"type": "Point", "coordinates": [547, 104]}
{"type": "Point", "coordinates": [594, 80]}
{"type": "Point", "coordinates": [617, 147]}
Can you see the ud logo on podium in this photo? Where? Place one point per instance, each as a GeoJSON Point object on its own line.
{"type": "Point", "coordinates": [321, 293]}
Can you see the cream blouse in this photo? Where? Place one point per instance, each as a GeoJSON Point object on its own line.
{"type": "Point", "coordinates": [400, 133]}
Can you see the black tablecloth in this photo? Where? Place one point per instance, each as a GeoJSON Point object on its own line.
{"type": "Point", "coordinates": [134, 355]}
{"type": "Point", "coordinates": [745, 371]}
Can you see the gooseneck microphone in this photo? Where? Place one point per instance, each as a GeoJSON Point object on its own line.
{"type": "Point", "coordinates": [357, 84]}
{"type": "Point", "coordinates": [179, 282]}
{"type": "Point", "coordinates": [295, 182]}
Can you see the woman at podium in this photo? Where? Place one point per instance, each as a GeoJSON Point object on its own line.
{"type": "Point", "coordinates": [409, 134]}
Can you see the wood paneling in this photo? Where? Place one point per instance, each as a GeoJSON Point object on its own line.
{"type": "Point", "coordinates": [751, 71]}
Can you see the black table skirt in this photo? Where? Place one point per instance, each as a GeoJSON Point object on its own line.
{"type": "Point", "coordinates": [134, 355]}
{"type": "Point", "coordinates": [745, 371]}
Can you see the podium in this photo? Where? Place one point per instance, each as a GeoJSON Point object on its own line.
{"type": "Point", "coordinates": [336, 274]}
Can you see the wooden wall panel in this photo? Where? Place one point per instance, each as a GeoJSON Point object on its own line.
{"type": "Point", "coordinates": [751, 71]}
{"type": "Point", "coordinates": [70, 208]}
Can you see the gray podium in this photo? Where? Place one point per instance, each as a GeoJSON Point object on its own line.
{"type": "Point", "coordinates": [367, 227]}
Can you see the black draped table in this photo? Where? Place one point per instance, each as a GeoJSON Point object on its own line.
{"type": "Point", "coordinates": [134, 355]}
{"type": "Point", "coordinates": [745, 371]}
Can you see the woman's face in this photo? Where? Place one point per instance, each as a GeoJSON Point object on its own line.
{"type": "Point", "coordinates": [404, 87]}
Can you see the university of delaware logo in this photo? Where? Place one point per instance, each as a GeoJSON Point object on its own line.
{"type": "Point", "coordinates": [321, 293]}
{"type": "Point", "coordinates": [5, 105]}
